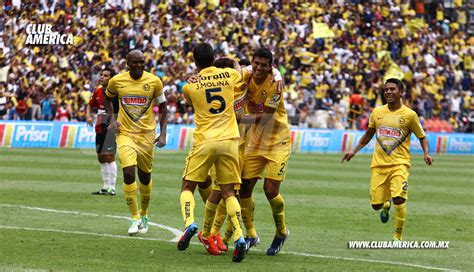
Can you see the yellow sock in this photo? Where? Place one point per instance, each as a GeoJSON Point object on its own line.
{"type": "Point", "coordinates": [233, 210]}
{"type": "Point", "coordinates": [400, 215]}
{"type": "Point", "coordinates": [386, 205]}
{"type": "Point", "coordinates": [229, 230]}
{"type": "Point", "coordinates": [219, 218]}
{"type": "Point", "coordinates": [145, 196]}
{"type": "Point", "coordinates": [130, 192]}
{"type": "Point", "coordinates": [209, 218]}
{"type": "Point", "coordinates": [205, 193]}
{"type": "Point", "coordinates": [278, 210]}
{"type": "Point", "coordinates": [187, 207]}
{"type": "Point", "coordinates": [248, 207]}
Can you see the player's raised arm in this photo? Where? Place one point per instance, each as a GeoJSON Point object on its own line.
{"type": "Point", "coordinates": [369, 133]}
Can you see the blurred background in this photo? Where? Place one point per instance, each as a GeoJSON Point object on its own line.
{"type": "Point", "coordinates": [334, 55]}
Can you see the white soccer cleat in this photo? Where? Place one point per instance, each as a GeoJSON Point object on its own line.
{"type": "Point", "coordinates": [135, 226]}
{"type": "Point", "coordinates": [143, 228]}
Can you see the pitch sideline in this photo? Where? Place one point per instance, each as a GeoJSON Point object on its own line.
{"type": "Point", "coordinates": [178, 234]}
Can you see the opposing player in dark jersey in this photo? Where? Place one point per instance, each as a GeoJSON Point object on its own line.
{"type": "Point", "coordinates": [105, 144]}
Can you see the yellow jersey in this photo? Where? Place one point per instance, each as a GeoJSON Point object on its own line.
{"type": "Point", "coordinates": [393, 130]}
{"type": "Point", "coordinates": [136, 99]}
{"type": "Point", "coordinates": [276, 132]}
{"type": "Point", "coordinates": [213, 100]}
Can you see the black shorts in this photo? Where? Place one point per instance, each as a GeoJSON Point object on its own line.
{"type": "Point", "coordinates": [105, 142]}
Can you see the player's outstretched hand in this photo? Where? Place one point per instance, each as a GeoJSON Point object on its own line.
{"type": "Point", "coordinates": [160, 141]}
{"type": "Point", "coordinates": [428, 159]}
{"type": "Point", "coordinates": [348, 156]}
{"type": "Point", "coordinates": [115, 126]}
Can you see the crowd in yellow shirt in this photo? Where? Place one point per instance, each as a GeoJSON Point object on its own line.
{"type": "Point", "coordinates": [319, 48]}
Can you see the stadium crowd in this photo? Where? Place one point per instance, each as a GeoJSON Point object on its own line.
{"type": "Point", "coordinates": [334, 55]}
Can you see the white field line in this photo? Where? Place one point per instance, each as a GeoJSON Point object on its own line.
{"type": "Point", "coordinates": [178, 234]}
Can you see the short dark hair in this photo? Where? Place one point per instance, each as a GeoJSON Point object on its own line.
{"type": "Point", "coordinates": [263, 53]}
{"type": "Point", "coordinates": [224, 63]}
{"type": "Point", "coordinates": [203, 55]}
{"type": "Point", "coordinates": [110, 70]}
{"type": "Point", "coordinates": [397, 82]}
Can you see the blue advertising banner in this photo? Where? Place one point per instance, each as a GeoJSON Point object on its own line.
{"type": "Point", "coordinates": [179, 137]}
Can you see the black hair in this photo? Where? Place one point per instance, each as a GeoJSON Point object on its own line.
{"type": "Point", "coordinates": [224, 63]}
{"type": "Point", "coordinates": [397, 82]}
{"type": "Point", "coordinates": [203, 55]}
{"type": "Point", "coordinates": [244, 62]}
{"type": "Point", "coordinates": [110, 70]}
{"type": "Point", "coordinates": [263, 53]}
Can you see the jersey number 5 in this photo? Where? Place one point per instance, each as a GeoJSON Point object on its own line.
{"type": "Point", "coordinates": [210, 97]}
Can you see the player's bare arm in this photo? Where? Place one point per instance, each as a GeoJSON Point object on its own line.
{"type": "Point", "coordinates": [109, 109]}
{"type": "Point", "coordinates": [89, 119]}
{"type": "Point", "coordinates": [369, 133]}
{"type": "Point", "coordinates": [160, 141]}
{"type": "Point", "coordinates": [426, 151]}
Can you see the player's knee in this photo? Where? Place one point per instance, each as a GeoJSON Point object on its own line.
{"type": "Point", "coordinates": [271, 194]}
{"type": "Point", "coordinates": [377, 206]}
{"type": "Point", "coordinates": [205, 184]}
{"type": "Point", "coordinates": [128, 175]}
{"type": "Point", "coordinates": [214, 197]}
{"type": "Point", "coordinates": [398, 200]}
{"type": "Point", "coordinates": [188, 186]}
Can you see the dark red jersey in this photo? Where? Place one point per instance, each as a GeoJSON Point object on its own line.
{"type": "Point", "coordinates": [97, 101]}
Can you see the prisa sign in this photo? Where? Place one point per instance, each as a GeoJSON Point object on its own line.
{"type": "Point", "coordinates": [32, 135]}
{"type": "Point", "coordinates": [85, 137]}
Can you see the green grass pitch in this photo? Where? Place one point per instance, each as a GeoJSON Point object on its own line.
{"type": "Point", "coordinates": [50, 221]}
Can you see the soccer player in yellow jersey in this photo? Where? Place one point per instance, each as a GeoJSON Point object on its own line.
{"type": "Point", "coordinates": [137, 92]}
{"type": "Point", "coordinates": [215, 141]}
{"type": "Point", "coordinates": [392, 125]}
{"type": "Point", "coordinates": [268, 148]}
{"type": "Point", "coordinates": [215, 206]}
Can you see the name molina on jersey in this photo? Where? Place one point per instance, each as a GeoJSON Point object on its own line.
{"type": "Point", "coordinates": [202, 84]}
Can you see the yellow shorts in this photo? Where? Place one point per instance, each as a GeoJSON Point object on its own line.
{"type": "Point", "coordinates": [213, 173]}
{"type": "Point", "coordinates": [387, 182]}
{"type": "Point", "coordinates": [224, 154]}
{"type": "Point", "coordinates": [136, 150]}
{"type": "Point", "coordinates": [274, 163]}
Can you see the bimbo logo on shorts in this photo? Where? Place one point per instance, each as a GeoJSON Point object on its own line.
{"type": "Point", "coordinates": [42, 34]}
